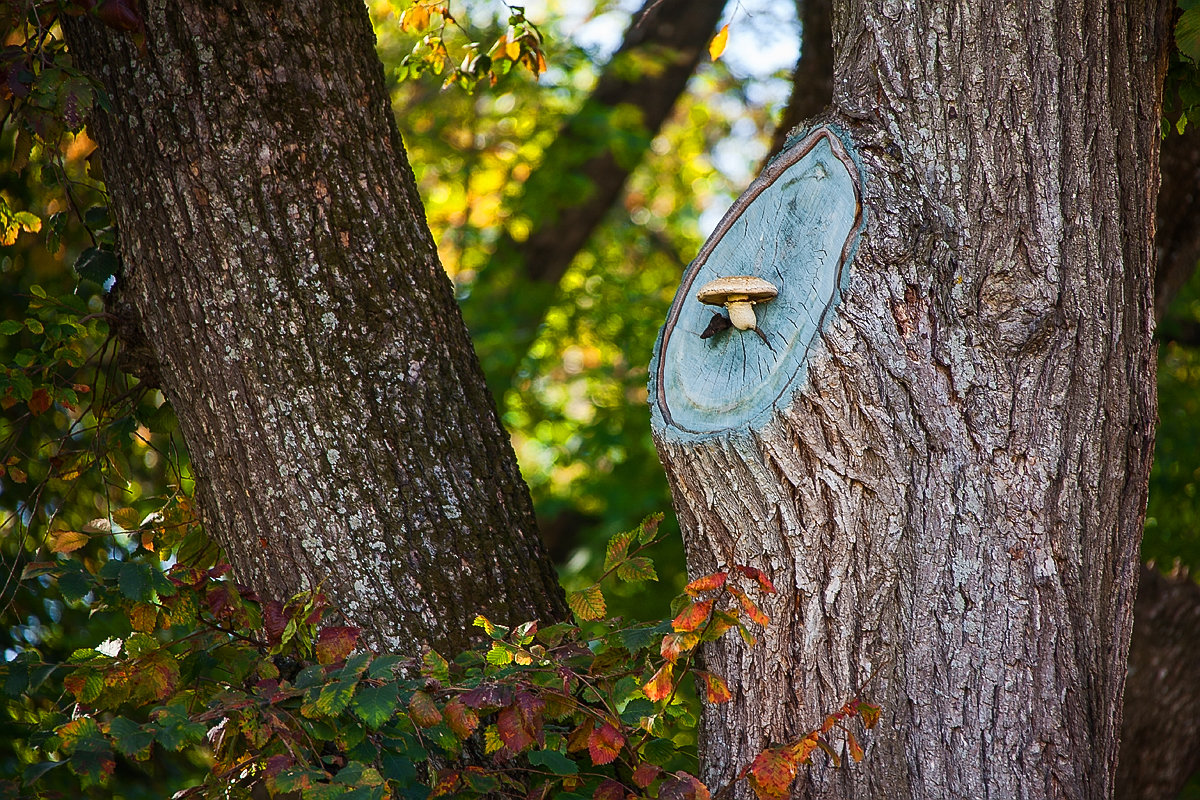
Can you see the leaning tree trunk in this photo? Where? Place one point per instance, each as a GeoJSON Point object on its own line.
{"type": "Point", "coordinates": [939, 447]}
{"type": "Point", "coordinates": [278, 266]}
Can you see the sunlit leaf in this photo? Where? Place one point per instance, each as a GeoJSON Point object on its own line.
{"type": "Point", "coordinates": [717, 46]}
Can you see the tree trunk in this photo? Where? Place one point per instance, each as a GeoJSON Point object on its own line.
{"type": "Point", "coordinates": [597, 149]}
{"type": "Point", "coordinates": [1159, 731]}
{"type": "Point", "coordinates": [277, 264]}
{"type": "Point", "coordinates": [949, 491]}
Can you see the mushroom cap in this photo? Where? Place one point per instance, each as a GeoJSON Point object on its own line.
{"type": "Point", "coordinates": [737, 287]}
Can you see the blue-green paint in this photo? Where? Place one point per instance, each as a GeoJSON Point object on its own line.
{"type": "Point", "coordinates": [797, 226]}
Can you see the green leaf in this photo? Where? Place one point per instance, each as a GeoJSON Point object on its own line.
{"type": "Point", "coordinates": [638, 568]}
{"type": "Point", "coordinates": [383, 666]}
{"type": "Point", "coordinates": [587, 604]}
{"type": "Point", "coordinates": [500, 654]}
{"type": "Point", "coordinates": [334, 698]}
{"type": "Point", "coordinates": [554, 761]}
{"type": "Point", "coordinates": [35, 326]}
{"type": "Point", "coordinates": [659, 751]}
{"type": "Point", "coordinates": [1187, 34]}
{"type": "Point", "coordinates": [174, 729]}
{"type": "Point", "coordinates": [130, 738]}
{"type": "Point", "coordinates": [618, 549]}
{"type": "Point", "coordinates": [75, 584]}
{"type": "Point", "coordinates": [375, 705]}
{"type": "Point", "coordinates": [134, 580]}
{"type": "Point", "coordinates": [10, 326]}
{"type": "Point", "coordinates": [96, 265]}
{"type": "Point", "coordinates": [436, 667]}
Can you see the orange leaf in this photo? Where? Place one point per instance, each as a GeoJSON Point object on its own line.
{"type": "Point", "coordinates": [856, 751]}
{"type": "Point", "coordinates": [605, 744]}
{"type": "Point", "coordinates": [659, 687]}
{"type": "Point", "coordinates": [67, 541]}
{"type": "Point", "coordinates": [869, 714]}
{"type": "Point", "coordinates": [587, 604]}
{"type": "Point", "coordinates": [715, 690]}
{"type": "Point", "coordinates": [717, 46]}
{"type": "Point", "coordinates": [706, 584]}
{"type": "Point", "coordinates": [692, 617]}
{"type": "Point", "coordinates": [462, 720]}
{"type": "Point", "coordinates": [752, 610]}
{"type": "Point", "coordinates": [423, 710]}
{"type": "Point", "coordinates": [772, 773]}
{"type": "Point", "coordinates": [336, 642]}
{"type": "Point", "coordinates": [802, 749]}
{"type": "Point", "coordinates": [676, 644]}
{"type": "Point", "coordinates": [39, 402]}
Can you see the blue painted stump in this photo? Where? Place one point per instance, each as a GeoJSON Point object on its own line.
{"type": "Point", "coordinates": [797, 226]}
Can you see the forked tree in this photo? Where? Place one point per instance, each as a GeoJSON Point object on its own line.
{"type": "Point", "coordinates": [948, 490]}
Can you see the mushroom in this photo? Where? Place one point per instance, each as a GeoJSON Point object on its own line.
{"type": "Point", "coordinates": [738, 293]}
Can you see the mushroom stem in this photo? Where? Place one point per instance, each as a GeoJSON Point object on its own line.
{"type": "Point", "coordinates": [741, 312]}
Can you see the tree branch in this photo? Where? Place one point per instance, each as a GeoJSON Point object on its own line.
{"type": "Point", "coordinates": [582, 174]}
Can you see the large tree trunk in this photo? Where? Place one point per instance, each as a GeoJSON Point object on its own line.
{"type": "Point", "coordinates": [950, 493]}
{"type": "Point", "coordinates": [278, 266]}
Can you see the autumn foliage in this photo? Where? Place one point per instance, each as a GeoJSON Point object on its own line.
{"type": "Point", "coordinates": [282, 700]}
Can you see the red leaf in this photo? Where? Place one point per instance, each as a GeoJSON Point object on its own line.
{"type": "Point", "coordinates": [715, 690]}
{"type": "Point", "coordinates": [752, 610]}
{"type": "Point", "coordinates": [274, 621]}
{"type": "Point", "coordinates": [759, 576]}
{"type": "Point", "coordinates": [693, 616]}
{"type": "Point", "coordinates": [772, 773]}
{"type": "Point", "coordinates": [39, 402]}
{"type": "Point", "coordinates": [520, 724]}
{"type": "Point", "coordinates": [462, 720]}
{"type": "Point", "coordinates": [609, 790]}
{"type": "Point", "coordinates": [645, 774]}
{"type": "Point", "coordinates": [423, 710]}
{"type": "Point", "coordinates": [683, 787]}
{"type": "Point", "coordinates": [335, 643]}
{"type": "Point", "coordinates": [487, 695]}
{"type": "Point", "coordinates": [605, 744]}
{"type": "Point", "coordinates": [659, 687]}
{"type": "Point", "coordinates": [706, 584]}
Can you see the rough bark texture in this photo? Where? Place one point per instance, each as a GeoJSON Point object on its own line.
{"type": "Point", "coordinates": [279, 267]}
{"type": "Point", "coordinates": [952, 503]}
{"type": "Point", "coordinates": [1159, 728]}
{"type": "Point", "coordinates": [631, 101]}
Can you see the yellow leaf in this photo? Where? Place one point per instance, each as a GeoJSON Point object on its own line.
{"type": "Point", "coordinates": [415, 18]}
{"type": "Point", "coordinates": [512, 50]}
{"type": "Point", "coordinates": [717, 46]}
{"type": "Point", "coordinates": [67, 541]}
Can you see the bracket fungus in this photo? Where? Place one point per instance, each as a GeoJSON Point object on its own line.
{"type": "Point", "coordinates": [738, 293]}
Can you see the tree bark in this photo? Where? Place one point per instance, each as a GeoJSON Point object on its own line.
{"type": "Point", "coordinates": [277, 263]}
{"type": "Point", "coordinates": [582, 174]}
{"type": "Point", "coordinates": [951, 497]}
